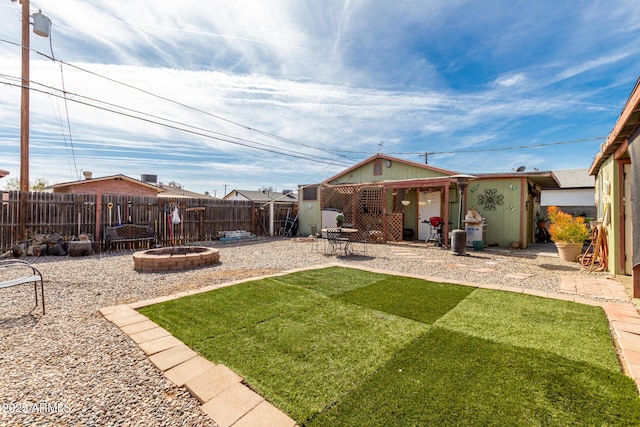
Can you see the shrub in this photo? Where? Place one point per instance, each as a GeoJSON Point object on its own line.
{"type": "Point", "coordinates": [566, 228]}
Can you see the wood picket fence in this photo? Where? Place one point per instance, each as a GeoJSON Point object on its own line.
{"type": "Point", "coordinates": [70, 215]}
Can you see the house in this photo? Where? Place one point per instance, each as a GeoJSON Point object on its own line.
{"type": "Point", "coordinates": [3, 173]}
{"type": "Point", "coordinates": [113, 184]}
{"type": "Point", "coordinates": [617, 175]}
{"type": "Point", "coordinates": [575, 195]}
{"type": "Point", "coordinates": [391, 199]}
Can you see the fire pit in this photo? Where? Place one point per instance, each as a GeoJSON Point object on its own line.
{"type": "Point", "coordinates": [174, 258]}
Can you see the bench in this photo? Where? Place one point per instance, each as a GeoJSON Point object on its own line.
{"type": "Point", "coordinates": [129, 233]}
{"type": "Point", "coordinates": [22, 273]}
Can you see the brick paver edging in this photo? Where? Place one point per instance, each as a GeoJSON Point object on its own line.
{"type": "Point", "coordinates": [230, 403]}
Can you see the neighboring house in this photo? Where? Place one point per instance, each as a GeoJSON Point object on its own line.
{"type": "Point", "coordinates": [264, 196]}
{"type": "Point", "coordinates": [617, 171]}
{"type": "Point", "coordinates": [179, 193]}
{"type": "Point", "coordinates": [113, 184]}
{"type": "Point", "coordinates": [575, 195]}
{"type": "Point", "coordinates": [391, 198]}
{"type": "Point", "coordinates": [3, 173]}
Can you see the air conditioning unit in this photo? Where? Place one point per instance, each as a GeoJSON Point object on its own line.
{"type": "Point", "coordinates": [150, 179]}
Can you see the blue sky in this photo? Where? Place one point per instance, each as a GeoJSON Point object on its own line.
{"type": "Point", "coordinates": [315, 86]}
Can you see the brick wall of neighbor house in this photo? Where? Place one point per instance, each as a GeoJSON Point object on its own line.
{"type": "Point", "coordinates": [114, 186]}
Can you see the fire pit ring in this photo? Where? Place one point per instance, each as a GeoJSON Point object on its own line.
{"type": "Point", "coordinates": [175, 258]}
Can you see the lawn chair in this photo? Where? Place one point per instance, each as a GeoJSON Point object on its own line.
{"type": "Point", "coordinates": [24, 273]}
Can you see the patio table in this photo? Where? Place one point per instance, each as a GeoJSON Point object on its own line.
{"type": "Point", "coordinates": [341, 236]}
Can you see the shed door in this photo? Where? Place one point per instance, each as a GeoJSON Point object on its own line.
{"type": "Point", "coordinates": [432, 208]}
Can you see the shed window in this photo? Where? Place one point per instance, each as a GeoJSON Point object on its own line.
{"type": "Point", "coordinates": [310, 193]}
{"type": "Point", "coordinates": [377, 167]}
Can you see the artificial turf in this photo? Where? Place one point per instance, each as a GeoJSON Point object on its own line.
{"type": "Point", "coordinates": [340, 346]}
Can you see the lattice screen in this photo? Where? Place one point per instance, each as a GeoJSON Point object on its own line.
{"type": "Point", "coordinates": [394, 227]}
{"type": "Point", "coordinates": [362, 206]}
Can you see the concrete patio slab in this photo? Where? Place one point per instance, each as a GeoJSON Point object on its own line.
{"type": "Point", "coordinates": [186, 370]}
{"type": "Point", "coordinates": [134, 328]}
{"type": "Point", "coordinates": [171, 357]}
{"type": "Point", "coordinates": [212, 382]}
{"type": "Point", "coordinates": [231, 405]}
{"type": "Point", "coordinates": [149, 335]}
{"type": "Point", "coordinates": [155, 346]}
{"type": "Point", "coordinates": [129, 320]}
{"type": "Point", "coordinates": [265, 415]}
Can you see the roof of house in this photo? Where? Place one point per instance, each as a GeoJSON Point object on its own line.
{"type": "Point", "coordinates": [394, 159]}
{"type": "Point", "coordinates": [3, 173]}
{"type": "Point", "coordinates": [575, 178]}
{"type": "Point", "coordinates": [264, 196]}
{"type": "Point", "coordinates": [180, 193]}
{"type": "Point", "coordinates": [104, 178]}
{"type": "Point", "coordinates": [626, 124]}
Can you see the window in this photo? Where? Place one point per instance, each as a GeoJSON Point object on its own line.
{"type": "Point", "coordinates": [310, 193]}
{"type": "Point", "coordinates": [377, 167]}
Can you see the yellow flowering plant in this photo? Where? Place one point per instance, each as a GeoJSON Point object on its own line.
{"type": "Point", "coordinates": [565, 227]}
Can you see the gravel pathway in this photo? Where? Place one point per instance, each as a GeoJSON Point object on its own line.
{"type": "Point", "coordinates": [73, 367]}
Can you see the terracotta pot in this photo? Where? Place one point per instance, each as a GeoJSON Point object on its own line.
{"type": "Point", "coordinates": [569, 251]}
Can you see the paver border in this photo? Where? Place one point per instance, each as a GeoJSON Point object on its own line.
{"type": "Point", "coordinates": [216, 386]}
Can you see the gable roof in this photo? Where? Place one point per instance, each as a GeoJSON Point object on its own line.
{"type": "Point", "coordinates": [104, 178]}
{"type": "Point", "coordinates": [393, 159]}
{"type": "Point", "coordinates": [3, 173]}
{"type": "Point", "coordinates": [179, 193]}
{"type": "Point", "coordinates": [575, 178]}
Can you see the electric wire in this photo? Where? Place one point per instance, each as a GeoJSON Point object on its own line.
{"type": "Point", "coordinates": [66, 108]}
{"type": "Point", "coordinates": [178, 128]}
{"type": "Point", "coordinates": [65, 94]}
{"type": "Point", "coordinates": [164, 98]}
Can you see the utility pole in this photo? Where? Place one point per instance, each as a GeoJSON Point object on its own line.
{"type": "Point", "coordinates": [426, 157]}
{"type": "Point", "coordinates": [225, 189]}
{"type": "Point", "coordinates": [24, 123]}
{"type": "Point", "coordinates": [41, 27]}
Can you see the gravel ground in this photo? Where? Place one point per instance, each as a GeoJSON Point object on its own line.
{"type": "Point", "coordinates": [73, 367]}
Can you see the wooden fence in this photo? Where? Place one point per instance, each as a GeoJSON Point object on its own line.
{"type": "Point", "coordinates": [70, 215]}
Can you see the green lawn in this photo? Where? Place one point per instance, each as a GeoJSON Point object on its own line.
{"type": "Point", "coordinates": [343, 347]}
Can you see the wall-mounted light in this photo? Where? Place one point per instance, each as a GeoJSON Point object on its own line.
{"type": "Point", "coordinates": [406, 202]}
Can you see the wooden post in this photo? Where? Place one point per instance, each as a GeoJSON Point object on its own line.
{"type": "Point", "coordinates": [98, 215]}
{"type": "Point", "coordinates": [24, 124]}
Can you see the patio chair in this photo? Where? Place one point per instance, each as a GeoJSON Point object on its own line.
{"type": "Point", "coordinates": [360, 241]}
{"type": "Point", "coordinates": [24, 273]}
{"type": "Point", "coordinates": [335, 241]}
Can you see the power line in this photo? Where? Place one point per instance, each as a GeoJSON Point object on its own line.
{"type": "Point", "coordinates": [478, 150]}
{"type": "Point", "coordinates": [198, 131]}
{"type": "Point", "coordinates": [164, 98]}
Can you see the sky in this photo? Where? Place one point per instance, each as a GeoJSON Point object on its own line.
{"type": "Point", "coordinates": [248, 94]}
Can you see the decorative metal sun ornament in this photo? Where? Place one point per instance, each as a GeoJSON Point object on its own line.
{"type": "Point", "coordinates": [490, 199]}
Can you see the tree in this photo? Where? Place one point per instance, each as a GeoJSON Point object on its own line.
{"type": "Point", "coordinates": [267, 189]}
{"type": "Point", "coordinates": [37, 185]}
{"type": "Point", "coordinates": [174, 184]}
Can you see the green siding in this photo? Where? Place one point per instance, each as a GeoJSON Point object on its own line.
{"type": "Point", "coordinates": [397, 171]}
{"type": "Point", "coordinates": [609, 173]}
{"type": "Point", "coordinates": [503, 223]}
